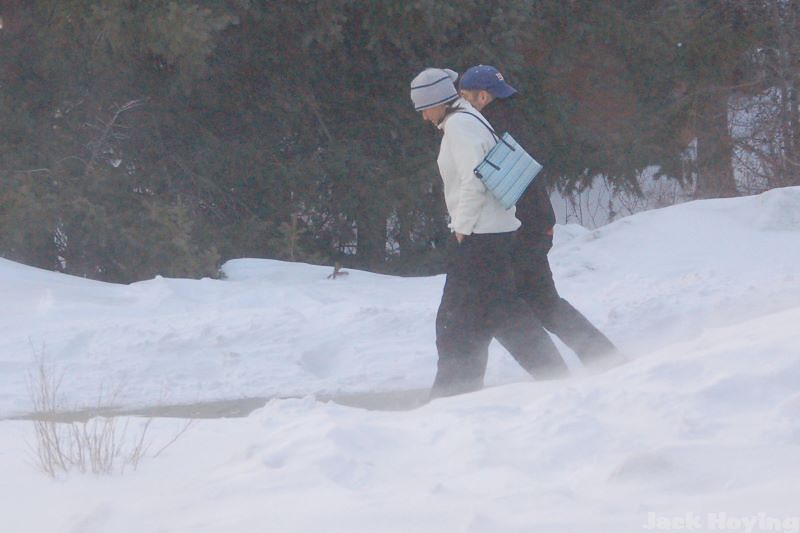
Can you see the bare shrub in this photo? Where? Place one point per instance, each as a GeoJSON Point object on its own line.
{"type": "Point", "coordinates": [603, 202]}
{"type": "Point", "coordinates": [95, 444]}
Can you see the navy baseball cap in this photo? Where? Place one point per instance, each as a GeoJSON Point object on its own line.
{"type": "Point", "coordinates": [486, 78]}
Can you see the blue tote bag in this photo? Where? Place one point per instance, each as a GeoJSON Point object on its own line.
{"type": "Point", "coordinates": [507, 170]}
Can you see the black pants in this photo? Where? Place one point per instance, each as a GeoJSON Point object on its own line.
{"type": "Point", "coordinates": [478, 304]}
{"type": "Point", "coordinates": [535, 285]}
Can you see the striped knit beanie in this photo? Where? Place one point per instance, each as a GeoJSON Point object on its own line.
{"type": "Point", "coordinates": [432, 87]}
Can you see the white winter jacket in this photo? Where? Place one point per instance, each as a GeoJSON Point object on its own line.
{"type": "Point", "coordinates": [471, 206]}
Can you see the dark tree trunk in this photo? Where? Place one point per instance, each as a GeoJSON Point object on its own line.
{"type": "Point", "coordinates": [793, 147]}
{"type": "Point", "coordinates": [371, 239]}
{"type": "Point", "coordinates": [785, 20]}
{"type": "Point", "coordinates": [714, 148]}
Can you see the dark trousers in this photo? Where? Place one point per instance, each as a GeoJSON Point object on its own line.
{"type": "Point", "coordinates": [478, 304]}
{"type": "Point", "coordinates": [535, 285]}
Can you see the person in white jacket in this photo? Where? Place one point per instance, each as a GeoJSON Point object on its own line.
{"type": "Point", "coordinates": [478, 301]}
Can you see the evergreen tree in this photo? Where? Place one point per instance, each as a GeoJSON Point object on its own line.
{"type": "Point", "coordinates": [165, 136]}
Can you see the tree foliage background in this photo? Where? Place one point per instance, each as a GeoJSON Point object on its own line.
{"type": "Point", "coordinates": [163, 137]}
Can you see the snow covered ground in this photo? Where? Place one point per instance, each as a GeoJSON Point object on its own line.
{"type": "Point", "coordinates": [701, 431]}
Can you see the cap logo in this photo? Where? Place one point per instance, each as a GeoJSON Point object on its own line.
{"type": "Point", "coordinates": [499, 77]}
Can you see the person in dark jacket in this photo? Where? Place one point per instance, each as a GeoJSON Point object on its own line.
{"type": "Point", "coordinates": [478, 301]}
{"type": "Point", "coordinates": [486, 89]}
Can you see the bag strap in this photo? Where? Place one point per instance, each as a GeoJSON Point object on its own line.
{"type": "Point", "coordinates": [488, 127]}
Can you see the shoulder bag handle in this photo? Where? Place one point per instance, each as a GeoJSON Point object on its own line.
{"type": "Point", "coordinates": [488, 127]}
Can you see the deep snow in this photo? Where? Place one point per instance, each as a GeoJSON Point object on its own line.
{"type": "Point", "coordinates": [704, 296]}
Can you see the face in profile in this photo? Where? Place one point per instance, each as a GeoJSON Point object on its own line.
{"type": "Point", "coordinates": [478, 99]}
{"type": "Point", "coordinates": [434, 115]}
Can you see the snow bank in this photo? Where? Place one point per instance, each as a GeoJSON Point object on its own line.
{"type": "Point", "coordinates": [665, 275]}
{"type": "Point", "coordinates": [704, 422]}
{"type": "Point", "coordinates": [706, 426]}
{"type": "Point", "coordinates": [274, 328]}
